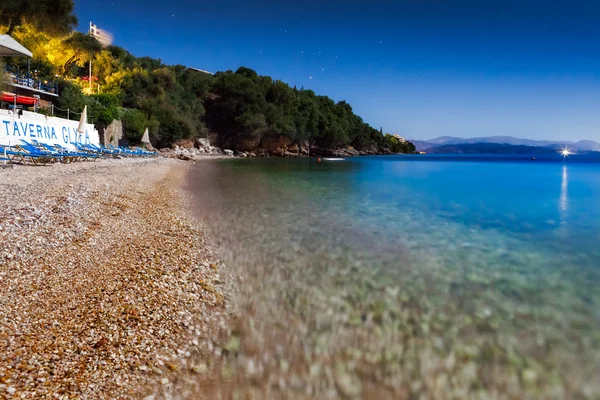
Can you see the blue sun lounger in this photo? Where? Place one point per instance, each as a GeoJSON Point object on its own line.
{"type": "Point", "coordinates": [121, 150]}
{"type": "Point", "coordinates": [91, 154]}
{"type": "Point", "coordinates": [102, 150]}
{"type": "Point", "coordinates": [83, 155]}
{"type": "Point", "coordinates": [67, 156]}
{"type": "Point", "coordinates": [42, 148]}
{"type": "Point", "coordinates": [20, 155]}
{"type": "Point", "coordinates": [107, 151]}
{"type": "Point", "coordinates": [86, 148]}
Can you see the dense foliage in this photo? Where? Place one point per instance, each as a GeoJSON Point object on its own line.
{"type": "Point", "coordinates": [397, 146]}
{"type": "Point", "coordinates": [176, 103]}
{"type": "Point", "coordinates": [244, 105]}
{"type": "Point", "coordinates": [52, 16]}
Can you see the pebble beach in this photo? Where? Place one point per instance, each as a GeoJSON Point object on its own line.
{"type": "Point", "coordinates": [105, 283]}
{"type": "Point", "coordinates": [154, 279]}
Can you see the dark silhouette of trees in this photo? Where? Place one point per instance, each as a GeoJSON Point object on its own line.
{"type": "Point", "coordinates": [51, 16]}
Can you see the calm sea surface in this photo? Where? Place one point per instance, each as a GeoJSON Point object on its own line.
{"type": "Point", "coordinates": [481, 270]}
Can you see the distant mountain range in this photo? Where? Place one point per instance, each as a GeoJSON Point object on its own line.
{"type": "Point", "coordinates": [488, 148]}
{"type": "Point", "coordinates": [500, 144]}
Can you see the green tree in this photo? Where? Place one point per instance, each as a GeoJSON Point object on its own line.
{"type": "Point", "coordinates": [396, 146]}
{"type": "Point", "coordinates": [134, 124]}
{"type": "Point", "coordinates": [237, 105]}
{"type": "Point", "coordinates": [83, 46]}
{"type": "Point", "coordinates": [175, 102]}
{"type": "Point", "coordinates": [71, 97]}
{"type": "Point", "coordinates": [52, 16]}
{"type": "Point", "coordinates": [103, 107]}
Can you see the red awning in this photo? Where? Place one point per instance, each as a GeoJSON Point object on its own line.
{"type": "Point", "coordinates": [21, 100]}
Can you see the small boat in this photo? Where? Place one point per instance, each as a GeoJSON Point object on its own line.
{"type": "Point", "coordinates": [333, 159]}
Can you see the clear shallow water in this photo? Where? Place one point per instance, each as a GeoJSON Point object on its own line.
{"type": "Point", "coordinates": [493, 261]}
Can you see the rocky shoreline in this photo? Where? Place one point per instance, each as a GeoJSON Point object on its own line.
{"type": "Point", "coordinates": [189, 150]}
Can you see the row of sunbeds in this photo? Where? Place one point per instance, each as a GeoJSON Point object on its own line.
{"type": "Point", "coordinates": [38, 153]}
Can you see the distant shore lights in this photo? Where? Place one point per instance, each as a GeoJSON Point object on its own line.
{"type": "Point", "coordinates": [565, 152]}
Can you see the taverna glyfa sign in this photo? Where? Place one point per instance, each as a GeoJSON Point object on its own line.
{"type": "Point", "coordinates": [15, 126]}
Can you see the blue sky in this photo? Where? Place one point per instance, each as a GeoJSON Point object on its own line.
{"type": "Point", "coordinates": [421, 68]}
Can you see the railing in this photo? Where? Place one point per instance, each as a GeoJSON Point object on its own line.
{"type": "Point", "coordinates": [31, 82]}
{"type": "Point", "coordinates": [51, 110]}
{"type": "Point", "coordinates": [64, 113]}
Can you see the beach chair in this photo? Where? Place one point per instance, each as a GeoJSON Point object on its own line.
{"type": "Point", "coordinates": [104, 150]}
{"type": "Point", "coordinates": [33, 147]}
{"type": "Point", "coordinates": [142, 152]}
{"type": "Point", "coordinates": [127, 152]}
{"type": "Point", "coordinates": [136, 152]}
{"type": "Point", "coordinates": [92, 149]}
{"type": "Point", "coordinates": [122, 151]}
{"type": "Point", "coordinates": [91, 154]}
{"type": "Point", "coordinates": [108, 151]}
{"type": "Point", "coordinates": [79, 155]}
{"type": "Point", "coordinates": [65, 155]}
{"type": "Point", "coordinates": [62, 156]}
{"type": "Point", "coordinates": [115, 150]}
{"type": "Point", "coordinates": [100, 149]}
{"type": "Point", "coordinates": [21, 155]}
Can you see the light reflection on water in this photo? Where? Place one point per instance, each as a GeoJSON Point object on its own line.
{"type": "Point", "coordinates": [467, 241]}
{"type": "Point", "coordinates": [564, 194]}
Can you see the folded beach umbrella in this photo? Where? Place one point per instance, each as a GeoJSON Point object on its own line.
{"type": "Point", "coordinates": [146, 137]}
{"type": "Point", "coordinates": [82, 121]}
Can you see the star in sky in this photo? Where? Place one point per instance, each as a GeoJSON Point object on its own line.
{"type": "Point", "coordinates": [548, 49]}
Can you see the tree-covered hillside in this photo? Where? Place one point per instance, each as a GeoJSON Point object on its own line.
{"type": "Point", "coordinates": [239, 109]}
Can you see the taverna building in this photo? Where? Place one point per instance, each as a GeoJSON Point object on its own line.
{"type": "Point", "coordinates": [25, 97]}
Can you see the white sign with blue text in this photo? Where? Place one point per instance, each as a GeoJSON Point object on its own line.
{"type": "Point", "coordinates": [44, 129]}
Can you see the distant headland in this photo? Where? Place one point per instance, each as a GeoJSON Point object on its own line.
{"type": "Point", "coordinates": [500, 145]}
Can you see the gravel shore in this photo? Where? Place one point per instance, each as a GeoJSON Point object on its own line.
{"type": "Point", "coordinates": [105, 282]}
{"type": "Point", "coordinates": [109, 290]}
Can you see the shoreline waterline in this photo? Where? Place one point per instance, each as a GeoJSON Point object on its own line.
{"type": "Point", "coordinates": [337, 299]}
{"type": "Point", "coordinates": [279, 279]}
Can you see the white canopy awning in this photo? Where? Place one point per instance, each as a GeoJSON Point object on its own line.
{"type": "Point", "coordinates": [9, 47]}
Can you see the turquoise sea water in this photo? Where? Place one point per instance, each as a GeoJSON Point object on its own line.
{"type": "Point", "coordinates": [492, 260]}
